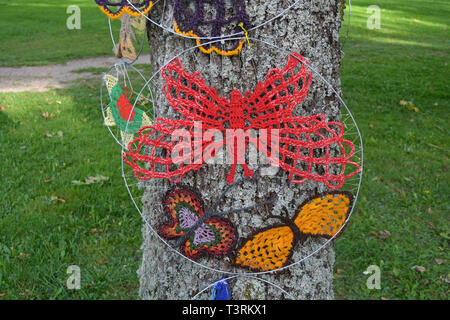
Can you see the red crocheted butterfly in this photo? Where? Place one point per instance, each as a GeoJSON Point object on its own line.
{"type": "Point", "coordinates": [197, 233]}
{"type": "Point", "coordinates": [306, 148]}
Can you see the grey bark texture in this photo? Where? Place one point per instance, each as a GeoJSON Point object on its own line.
{"type": "Point", "coordinates": [310, 28]}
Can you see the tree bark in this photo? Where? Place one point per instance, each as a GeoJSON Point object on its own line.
{"type": "Point", "coordinates": [310, 28]}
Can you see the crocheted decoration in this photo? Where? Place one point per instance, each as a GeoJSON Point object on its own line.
{"type": "Point", "coordinates": [304, 142]}
{"type": "Point", "coordinates": [270, 249]}
{"type": "Point", "coordinates": [115, 9]}
{"type": "Point", "coordinates": [191, 20]}
{"type": "Point", "coordinates": [119, 109]}
{"type": "Point", "coordinates": [200, 236]}
{"type": "Point", "coordinates": [126, 47]}
{"type": "Point", "coordinates": [221, 291]}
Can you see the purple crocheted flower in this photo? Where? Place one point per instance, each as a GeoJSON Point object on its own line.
{"type": "Point", "coordinates": [190, 19]}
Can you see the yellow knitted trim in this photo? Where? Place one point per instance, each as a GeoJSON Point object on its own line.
{"type": "Point", "coordinates": [213, 48]}
{"type": "Point", "coordinates": [126, 138]}
{"type": "Point", "coordinates": [146, 120]}
{"type": "Point", "coordinates": [109, 119]}
{"type": "Point", "coordinates": [110, 82]}
{"type": "Point", "coordinates": [126, 9]}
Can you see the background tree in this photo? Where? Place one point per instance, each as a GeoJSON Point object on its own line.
{"type": "Point", "coordinates": [310, 28]}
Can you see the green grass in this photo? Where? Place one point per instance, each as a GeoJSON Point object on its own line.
{"type": "Point", "coordinates": [406, 181]}
{"type": "Point", "coordinates": [47, 222]}
{"type": "Point", "coordinates": [405, 185]}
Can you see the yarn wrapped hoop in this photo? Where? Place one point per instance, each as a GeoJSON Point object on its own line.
{"type": "Point", "coordinates": [306, 146]}
{"type": "Point", "coordinates": [351, 184]}
{"type": "Point", "coordinates": [124, 112]}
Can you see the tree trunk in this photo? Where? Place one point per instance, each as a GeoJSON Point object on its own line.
{"type": "Point", "coordinates": [311, 28]}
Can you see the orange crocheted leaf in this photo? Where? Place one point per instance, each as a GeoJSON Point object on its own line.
{"type": "Point", "coordinates": [324, 215]}
{"type": "Point", "coordinates": [267, 250]}
{"type": "Point", "coordinates": [184, 208]}
{"type": "Point", "coordinates": [215, 237]}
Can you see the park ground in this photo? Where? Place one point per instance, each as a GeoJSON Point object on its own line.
{"type": "Point", "coordinates": [63, 201]}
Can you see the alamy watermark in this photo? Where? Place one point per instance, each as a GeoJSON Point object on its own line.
{"type": "Point", "coordinates": [374, 279]}
{"type": "Point", "coordinates": [74, 279]}
{"type": "Point", "coordinates": [374, 20]}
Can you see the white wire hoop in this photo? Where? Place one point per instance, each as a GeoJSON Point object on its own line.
{"type": "Point", "coordinates": [326, 243]}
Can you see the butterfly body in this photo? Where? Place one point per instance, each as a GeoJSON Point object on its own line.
{"type": "Point", "coordinates": [236, 111]}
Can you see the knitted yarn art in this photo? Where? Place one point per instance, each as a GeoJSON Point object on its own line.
{"type": "Point", "coordinates": [119, 109]}
{"type": "Point", "coordinates": [304, 146]}
{"type": "Point", "coordinates": [115, 9]}
{"type": "Point", "coordinates": [191, 20]}
{"type": "Point", "coordinates": [270, 249]}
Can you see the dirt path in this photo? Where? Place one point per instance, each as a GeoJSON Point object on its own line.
{"type": "Point", "coordinates": [44, 78]}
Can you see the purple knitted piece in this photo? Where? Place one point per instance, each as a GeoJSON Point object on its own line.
{"type": "Point", "coordinates": [187, 218]}
{"type": "Point", "coordinates": [190, 16]}
{"type": "Point", "coordinates": [203, 234]}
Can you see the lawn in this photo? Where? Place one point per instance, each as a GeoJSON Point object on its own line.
{"type": "Point", "coordinates": [35, 32]}
{"type": "Point", "coordinates": [395, 81]}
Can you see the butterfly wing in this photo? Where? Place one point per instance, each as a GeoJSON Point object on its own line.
{"type": "Point", "coordinates": [325, 214]}
{"type": "Point", "coordinates": [215, 237]}
{"type": "Point", "coordinates": [161, 151]}
{"type": "Point", "coordinates": [279, 94]}
{"type": "Point", "coordinates": [266, 250]}
{"type": "Point", "coordinates": [310, 148]}
{"type": "Point", "coordinates": [115, 9]}
{"type": "Point", "coordinates": [184, 207]}
{"type": "Point", "coordinates": [189, 95]}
